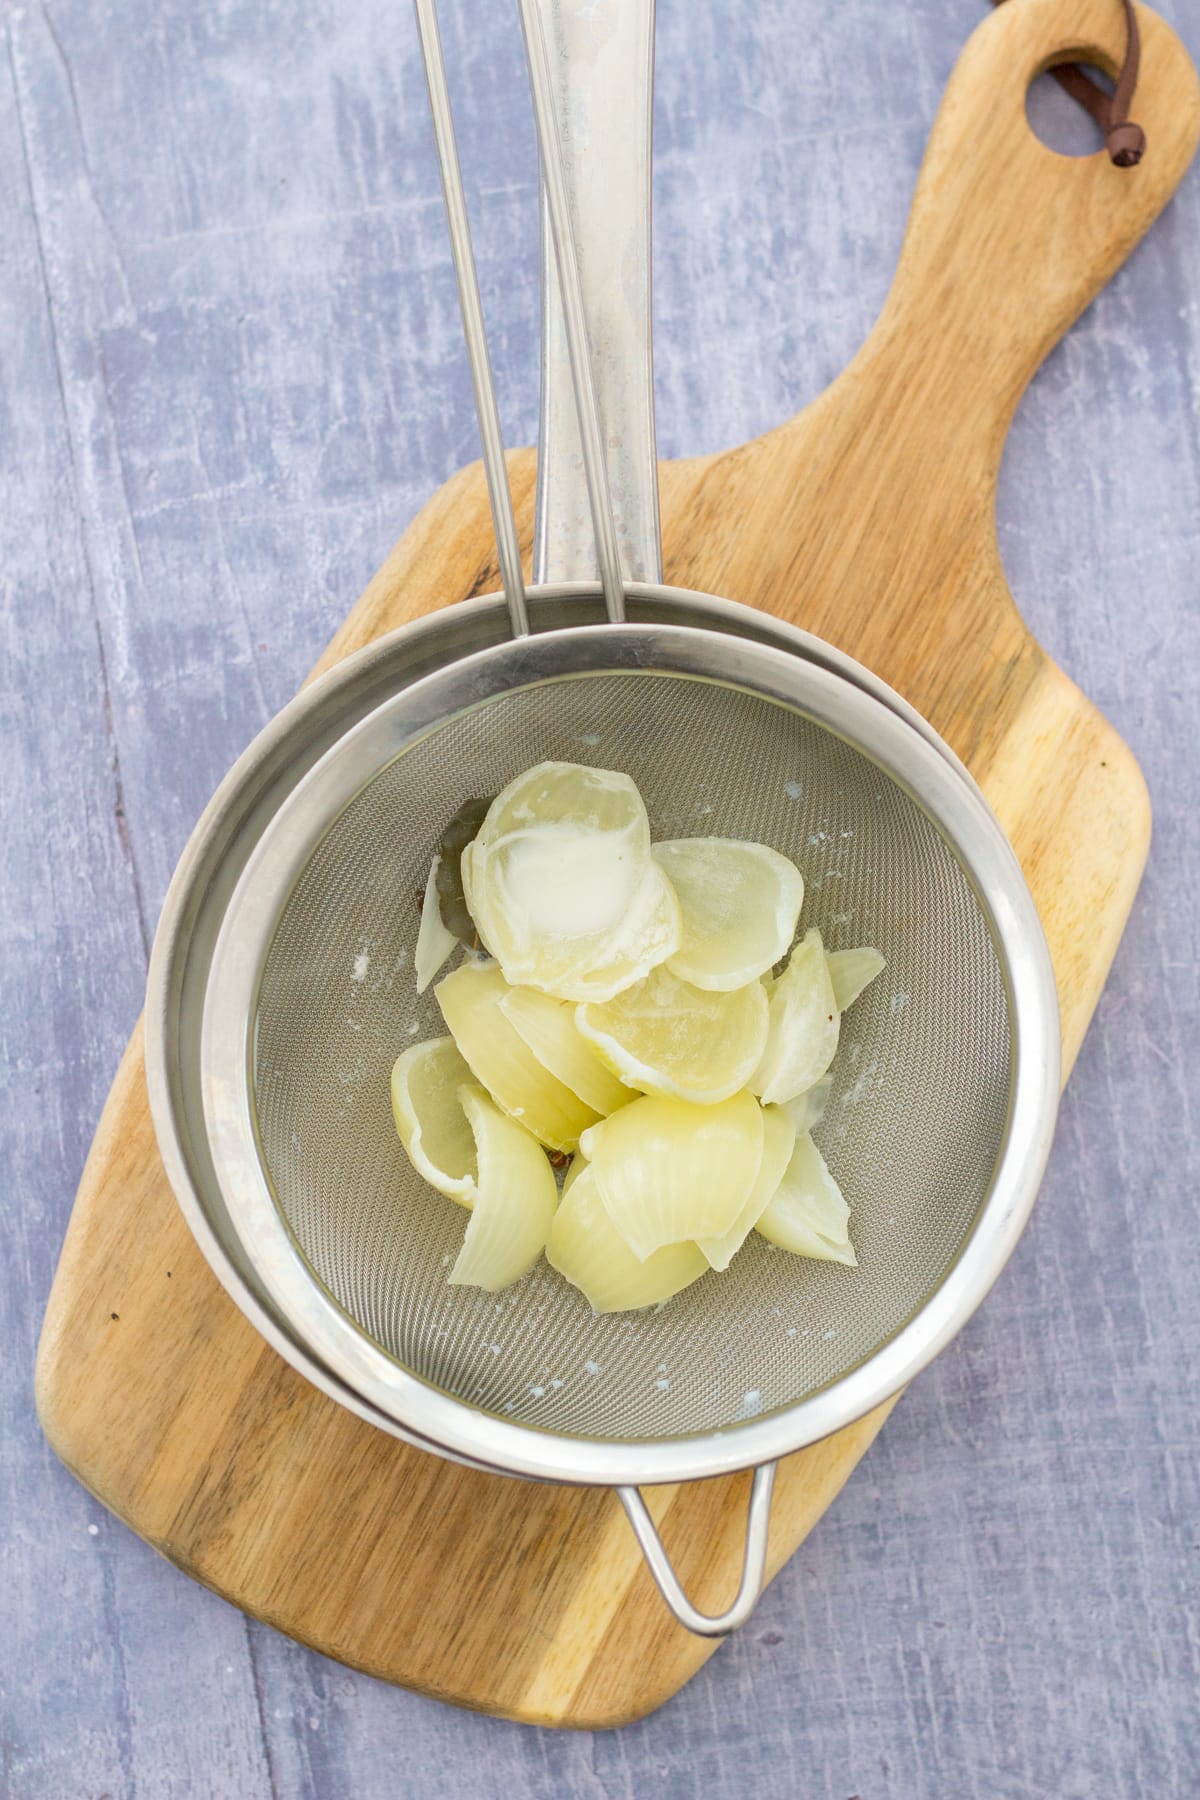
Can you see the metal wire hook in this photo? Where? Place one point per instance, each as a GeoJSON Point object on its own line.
{"type": "Point", "coordinates": [504, 521]}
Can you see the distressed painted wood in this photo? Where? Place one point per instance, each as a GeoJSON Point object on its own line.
{"type": "Point", "coordinates": [230, 369]}
{"type": "Point", "coordinates": [869, 518]}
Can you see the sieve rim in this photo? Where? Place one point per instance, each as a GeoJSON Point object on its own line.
{"type": "Point", "coordinates": [439, 1419]}
{"type": "Point", "coordinates": [177, 960]}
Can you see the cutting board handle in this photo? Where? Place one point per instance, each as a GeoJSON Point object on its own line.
{"type": "Point", "coordinates": [1008, 241]}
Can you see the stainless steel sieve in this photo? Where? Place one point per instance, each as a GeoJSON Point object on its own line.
{"type": "Point", "coordinates": [281, 984]}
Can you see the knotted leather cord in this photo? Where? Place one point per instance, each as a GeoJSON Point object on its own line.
{"type": "Point", "coordinates": [1125, 140]}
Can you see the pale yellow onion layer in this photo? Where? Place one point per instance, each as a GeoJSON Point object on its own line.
{"type": "Point", "coordinates": [808, 1109]}
{"type": "Point", "coordinates": [666, 1036]}
{"type": "Point", "coordinates": [436, 943]}
{"type": "Point", "coordinates": [548, 1028]}
{"type": "Point", "coordinates": [499, 1058]}
{"type": "Point", "coordinates": [586, 1248]}
{"type": "Point", "coordinates": [851, 971]}
{"type": "Point", "coordinates": [553, 793]}
{"type": "Point", "coordinates": [569, 945]}
{"type": "Point", "coordinates": [739, 903]}
{"type": "Point", "coordinates": [808, 1214]}
{"type": "Point", "coordinates": [559, 883]}
{"type": "Point", "coordinates": [430, 1120]}
{"type": "Point", "coordinates": [802, 1034]}
{"type": "Point", "coordinates": [515, 1199]}
{"type": "Point", "coordinates": [671, 1172]}
{"type": "Point", "coordinates": [779, 1138]}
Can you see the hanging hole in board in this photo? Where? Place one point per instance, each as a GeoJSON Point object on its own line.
{"type": "Point", "coordinates": [1058, 121]}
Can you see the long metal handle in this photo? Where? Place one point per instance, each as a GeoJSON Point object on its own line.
{"type": "Point", "coordinates": [602, 71]}
{"type": "Point", "coordinates": [574, 314]}
{"type": "Point", "coordinates": [753, 1569]}
{"type": "Point", "coordinates": [499, 494]}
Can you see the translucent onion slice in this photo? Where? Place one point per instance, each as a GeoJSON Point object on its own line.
{"type": "Point", "coordinates": [586, 1248]}
{"type": "Point", "coordinates": [740, 903]}
{"type": "Point", "coordinates": [809, 1108]}
{"type": "Point", "coordinates": [430, 1120]}
{"type": "Point", "coordinates": [580, 917]}
{"type": "Point", "coordinates": [808, 1215]}
{"type": "Point", "coordinates": [548, 1027]}
{"type": "Point", "coordinates": [666, 1036]}
{"type": "Point", "coordinates": [556, 793]}
{"type": "Point", "coordinates": [670, 1172]}
{"type": "Point", "coordinates": [850, 971]}
{"type": "Point", "coordinates": [779, 1138]}
{"type": "Point", "coordinates": [435, 944]}
{"type": "Point", "coordinates": [803, 1033]}
{"type": "Point", "coordinates": [514, 1202]}
{"type": "Point", "coordinates": [470, 998]}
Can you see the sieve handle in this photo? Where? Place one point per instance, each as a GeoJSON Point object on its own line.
{"type": "Point", "coordinates": [602, 74]}
{"type": "Point", "coordinates": [753, 1568]}
{"type": "Point", "coordinates": [471, 306]}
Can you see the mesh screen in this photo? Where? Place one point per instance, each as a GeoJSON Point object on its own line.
{"type": "Point", "coordinates": [912, 1134]}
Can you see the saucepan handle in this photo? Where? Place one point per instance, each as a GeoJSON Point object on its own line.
{"type": "Point", "coordinates": [753, 1567]}
{"type": "Point", "coordinates": [602, 66]}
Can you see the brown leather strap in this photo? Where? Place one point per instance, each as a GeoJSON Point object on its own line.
{"type": "Point", "coordinates": [1126, 141]}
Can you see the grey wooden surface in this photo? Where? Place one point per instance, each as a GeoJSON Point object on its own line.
{"type": "Point", "coordinates": [230, 372]}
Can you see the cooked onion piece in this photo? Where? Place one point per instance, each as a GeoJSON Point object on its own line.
{"type": "Point", "coordinates": [470, 998]}
{"type": "Point", "coordinates": [515, 1198]}
{"type": "Point", "coordinates": [802, 1036]}
{"type": "Point", "coordinates": [739, 904]}
{"type": "Point", "coordinates": [602, 801]}
{"type": "Point", "coordinates": [430, 1120]}
{"type": "Point", "coordinates": [435, 943]}
{"type": "Point", "coordinates": [586, 1247]}
{"type": "Point", "coordinates": [808, 1215]}
{"type": "Point", "coordinates": [562, 886]}
{"type": "Point", "coordinates": [850, 971]}
{"type": "Point", "coordinates": [671, 1172]}
{"type": "Point", "coordinates": [779, 1137]}
{"type": "Point", "coordinates": [578, 917]}
{"type": "Point", "coordinates": [549, 1029]}
{"type": "Point", "coordinates": [666, 1036]}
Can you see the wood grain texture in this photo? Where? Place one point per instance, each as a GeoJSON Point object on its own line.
{"type": "Point", "coordinates": [868, 518]}
{"type": "Point", "coordinates": [227, 290]}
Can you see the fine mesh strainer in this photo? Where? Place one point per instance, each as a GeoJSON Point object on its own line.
{"type": "Point", "coordinates": [946, 1081]}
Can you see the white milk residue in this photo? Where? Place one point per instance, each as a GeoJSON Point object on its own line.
{"type": "Point", "coordinates": [566, 882]}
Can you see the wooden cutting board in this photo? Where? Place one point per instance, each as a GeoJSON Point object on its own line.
{"type": "Point", "coordinates": [868, 519]}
